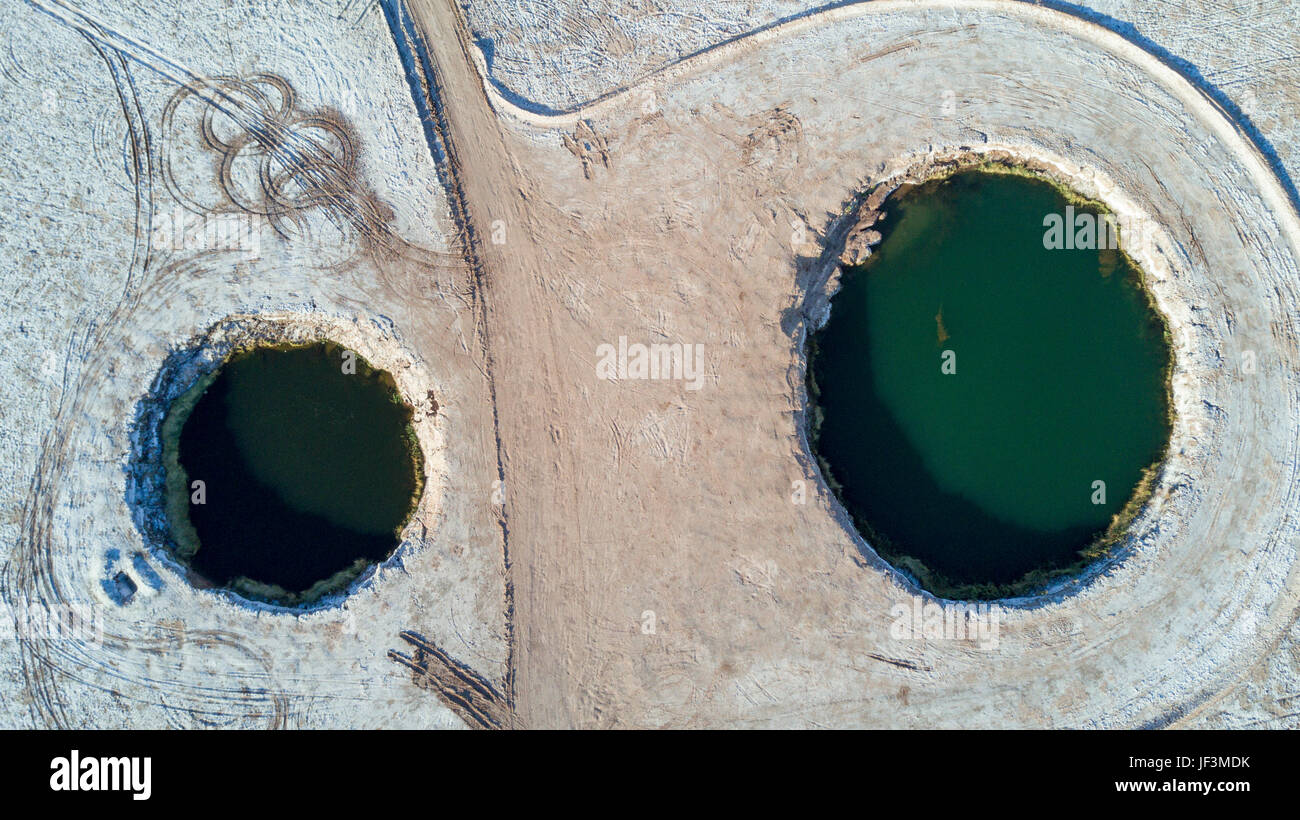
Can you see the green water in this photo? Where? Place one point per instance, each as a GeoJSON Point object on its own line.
{"type": "Point", "coordinates": [981, 481]}
{"type": "Point", "coordinates": [309, 468]}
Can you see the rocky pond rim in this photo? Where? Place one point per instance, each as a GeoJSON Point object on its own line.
{"type": "Point", "coordinates": [861, 215]}
{"type": "Point", "coordinates": [199, 356]}
{"type": "Point", "coordinates": [184, 537]}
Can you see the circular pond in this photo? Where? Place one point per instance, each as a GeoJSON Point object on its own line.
{"type": "Point", "coordinates": [991, 390]}
{"type": "Point", "coordinates": [290, 470]}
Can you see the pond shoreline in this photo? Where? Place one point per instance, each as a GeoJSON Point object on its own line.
{"type": "Point", "coordinates": [864, 214]}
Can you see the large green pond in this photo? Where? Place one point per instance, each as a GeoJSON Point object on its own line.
{"type": "Point", "coordinates": [308, 466]}
{"type": "Point", "coordinates": [986, 407]}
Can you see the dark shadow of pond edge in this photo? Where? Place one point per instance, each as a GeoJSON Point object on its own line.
{"type": "Point", "coordinates": [818, 279]}
{"type": "Point", "coordinates": [155, 495]}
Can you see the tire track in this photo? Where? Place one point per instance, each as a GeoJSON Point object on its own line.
{"type": "Point", "coordinates": [427, 94]}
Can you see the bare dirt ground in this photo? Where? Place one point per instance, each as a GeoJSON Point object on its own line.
{"type": "Point", "coordinates": [652, 499]}
{"type": "Point", "coordinates": [662, 556]}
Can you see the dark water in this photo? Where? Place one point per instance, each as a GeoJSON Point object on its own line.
{"type": "Point", "coordinates": [988, 473]}
{"type": "Point", "coordinates": [307, 469]}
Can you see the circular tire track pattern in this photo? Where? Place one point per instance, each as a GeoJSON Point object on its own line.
{"type": "Point", "coordinates": [298, 170]}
